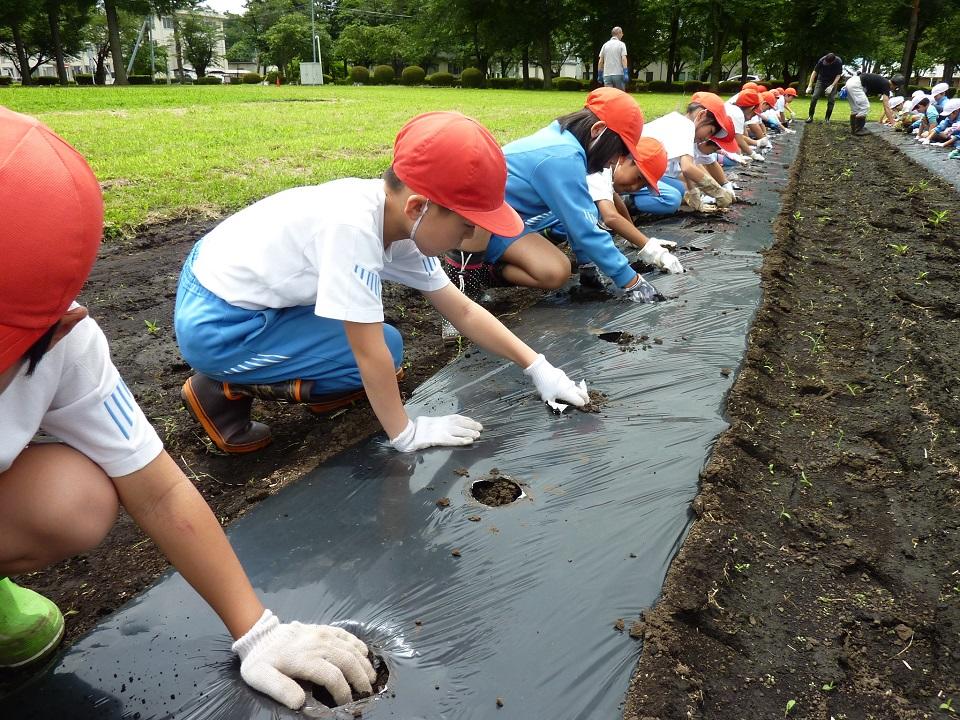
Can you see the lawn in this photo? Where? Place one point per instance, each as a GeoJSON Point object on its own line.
{"type": "Point", "coordinates": [164, 152]}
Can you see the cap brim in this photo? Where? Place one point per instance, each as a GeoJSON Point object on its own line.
{"type": "Point", "coordinates": [14, 343]}
{"type": "Point", "coordinates": [651, 181]}
{"type": "Point", "coordinates": [728, 142]}
{"type": "Point", "coordinates": [503, 221]}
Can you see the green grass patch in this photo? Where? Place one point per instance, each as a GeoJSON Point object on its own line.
{"type": "Point", "coordinates": [163, 152]}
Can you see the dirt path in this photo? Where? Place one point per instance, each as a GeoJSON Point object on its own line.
{"type": "Point", "coordinates": [822, 577]}
{"type": "Point", "coordinates": [134, 284]}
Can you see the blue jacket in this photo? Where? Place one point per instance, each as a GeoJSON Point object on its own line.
{"type": "Point", "coordinates": [547, 184]}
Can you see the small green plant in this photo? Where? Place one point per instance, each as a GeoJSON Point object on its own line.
{"type": "Point", "coordinates": [922, 276]}
{"type": "Point", "coordinates": [798, 216]}
{"type": "Point", "coordinates": [839, 438]}
{"type": "Point", "coordinates": [152, 327]}
{"type": "Point", "coordinates": [919, 187]}
{"type": "Point", "coordinates": [824, 219]}
{"type": "Point", "coordinates": [948, 706]}
{"type": "Point", "coordinates": [937, 217]}
{"type": "Point", "coordinates": [741, 567]}
{"type": "Point", "coordinates": [784, 515]}
{"type": "Point", "coordinates": [816, 341]}
{"type": "Point", "coordinates": [845, 174]}
{"type": "Point", "coordinates": [789, 708]}
{"type": "Point", "coordinates": [803, 479]}
{"type": "Point", "coordinates": [828, 687]}
{"type": "Point", "coordinates": [899, 250]}
{"type": "Point", "coordinates": [854, 389]}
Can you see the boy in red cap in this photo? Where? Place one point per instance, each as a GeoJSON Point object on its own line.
{"type": "Point", "coordinates": [58, 499]}
{"type": "Point", "coordinates": [282, 301]}
{"type": "Point", "coordinates": [741, 108]}
{"type": "Point", "coordinates": [706, 118]}
{"type": "Point", "coordinates": [547, 184]}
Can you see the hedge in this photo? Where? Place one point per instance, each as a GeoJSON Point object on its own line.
{"type": "Point", "coordinates": [46, 80]}
{"type": "Point", "coordinates": [567, 84]}
{"type": "Point", "coordinates": [140, 79]}
{"type": "Point", "coordinates": [251, 78]}
{"type": "Point", "coordinates": [441, 79]}
{"type": "Point", "coordinates": [210, 80]}
{"type": "Point", "coordinates": [471, 77]}
{"type": "Point", "coordinates": [359, 75]}
{"type": "Point", "coordinates": [413, 75]}
{"type": "Point", "coordinates": [5, 80]}
{"type": "Point", "coordinates": [692, 86]}
{"type": "Point", "coordinates": [83, 79]}
{"type": "Point", "coordinates": [730, 86]}
{"type": "Point", "coordinates": [383, 74]}
{"type": "Point", "coordinates": [664, 86]}
{"type": "Point", "coordinates": [503, 83]}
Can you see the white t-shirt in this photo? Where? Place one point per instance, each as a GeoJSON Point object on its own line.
{"type": "Point", "coordinates": [781, 103]}
{"type": "Point", "coordinates": [733, 99]}
{"type": "Point", "coordinates": [77, 396]}
{"type": "Point", "coordinates": [600, 185]}
{"type": "Point", "coordinates": [771, 115]}
{"type": "Point", "coordinates": [678, 134]}
{"type": "Point", "coordinates": [614, 55]}
{"type": "Point", "coordinates": [736, 115]}
{"type": "Point", "coordinates": [321, 246]}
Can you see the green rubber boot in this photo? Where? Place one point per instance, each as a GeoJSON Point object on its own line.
{"type": "Point", "coordinates": [30, 625]}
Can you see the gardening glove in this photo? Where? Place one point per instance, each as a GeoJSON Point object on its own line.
{"type": "Point", "coordinates": [728, 186]}
{"type": "Point", "coordinates": [694, 199]}
{"type": "Point", "coordinates": [738, 158]}
{"type": "Point", "coordinates": [722, 197]}
{"type": "Point", "coordinates": [554, 385]}
{"type": "Point", "coordinates": [626, 75]}
{"type": "Point", "coordinates": [764, 142]}
{"type": "Point", "coordinates": [600, 76]}
{"type": "Point", "coordinates": [426, 431]}
{"type": "Point", "coordinates": [809, 89]}
{"type": "Point", "coordinates": [641, 291]}
{"type": "Point", "coordinates": [756, 156]}
{"type": "Point", "coordinates": [654, 253]}
{"type": "Point", "coordinates": [273, 654]}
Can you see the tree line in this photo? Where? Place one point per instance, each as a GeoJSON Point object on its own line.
{"type": "Point", "coordinates": [704, 39]}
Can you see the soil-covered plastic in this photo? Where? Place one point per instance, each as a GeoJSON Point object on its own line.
{"type": "Point", "coordinates": [479, 612]}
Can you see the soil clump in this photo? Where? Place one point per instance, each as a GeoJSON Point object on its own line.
{"type": "Point", "coordinates": [823, 569]}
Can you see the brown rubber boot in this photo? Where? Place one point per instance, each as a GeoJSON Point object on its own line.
{"type": "Point", "coordinates": [224, 417]}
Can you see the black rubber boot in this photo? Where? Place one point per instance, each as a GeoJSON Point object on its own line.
{"type": "Point", "coordinates": [853, 124]}
{"type": "Point", "coordinates": [224, 416]}
{"type": "Point", "coordinates": [861, 123]}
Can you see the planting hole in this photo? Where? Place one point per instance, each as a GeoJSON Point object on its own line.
{"type": "Point", "coordinates": [321, 695]}
{"type": "Point", "coordinates": [496, 489]}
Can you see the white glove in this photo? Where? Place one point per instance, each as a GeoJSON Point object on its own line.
{"type": "Point", "coordinates": [809, 89]}
{"type": "Point", "coordinates": [554, 385]}
{"type": "Point", "coordinates": [756, 156]}
{"type": "Point", "coordinates": [764, 142]}
{"type": "Point", "coordinates": [426, 431]}
{"type": "Point", "coordinates": [738, 158]}
{"type": "Point", "coordinates": [654, 253]}
{"type": "Point", "coordinates": [694, 199]}
{"type": "Point", "coordinates": [721, 196]}
{"type": "Point", "coordinates": [728, 186]}
{"type": "Point", "coordinates": [272, 654]}
{"type": "Point", "coordinates": [788, 131]}
{"type": "Point", "coordinates": [641, 291]}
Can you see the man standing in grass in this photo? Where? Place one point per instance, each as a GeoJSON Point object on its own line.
{"type": "Point", "coordinates": [826, 74]}
{"type": "Point", "coordinates": [613, 66]}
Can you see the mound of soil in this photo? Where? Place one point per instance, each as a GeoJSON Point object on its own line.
{"type": "Point", "coordinates": [823, 570]}
{"type": "Point", "coordinates": [135, 282]}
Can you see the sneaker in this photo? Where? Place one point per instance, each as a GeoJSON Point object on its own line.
{"type": "Point", "coordinates": [954, 154]}
{"type": "Point", "coordinates": [31, 626]}
{"type": "Point", "coordinates": [470, 273]}
{"type": "Point", "coordinates": [808, 120]}
{"type": "Point", "coordinates": [555, 237]}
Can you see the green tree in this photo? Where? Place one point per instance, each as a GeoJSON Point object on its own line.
{"type": "Point", "coordinates": [200, 41]}
{"type": "Point", "coordinates": [288, 39]}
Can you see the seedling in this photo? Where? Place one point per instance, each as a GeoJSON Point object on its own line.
{"type": "Point", "coordinates": [948, 706]}
{"type": "Point", "coordinates": [824, 219]}
{"type": "Point", "coordinates": [919, 187]}
{"type": "Point", "coordinates": [798, 216]}
{"type": "Point", "coordinates": [816, 342]}
{"type": "Point", "coordinates": [790, 705]}
{"type": "Point", "coordinates": [899, 250]}
{"type": "Point", "coordinates": [937, 217]}
{"type": "Point", "coordinates": [784, 515]}
{"type": "Point", "coordinates": [854, 389]}
{"type": "Point", "coordinates": [828, 687]}
{"type": "Point", "coordinates": [921, 277]}
{"type": "Point", "coordinates": [741, 567]}
{"type": "Point", "coordinates": [803, 479]}
{"type": "Point", "coordinates": [152, 327]}
{"type": "Point", "coordinates": [845, 174]}
{"type": "Point", "coordinates": [839, 438]}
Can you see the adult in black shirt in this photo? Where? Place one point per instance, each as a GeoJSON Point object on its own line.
{"type": "Point", "coordinates": [859, 88]}
{"type": "Point", "coordinates": [823, 81]}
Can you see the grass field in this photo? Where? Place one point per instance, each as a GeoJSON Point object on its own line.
{"type": "Point", "coordinates": [164, 152]}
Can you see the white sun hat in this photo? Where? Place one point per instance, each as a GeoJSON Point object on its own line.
{"type": "Point", "coordinates": [950, 106]}
{"type": "Point", "coordinates": [939, 89]}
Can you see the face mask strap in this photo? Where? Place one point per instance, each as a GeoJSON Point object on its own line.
{"type": "Point", "coordinates": [597, 138]}
{"type": "Point", "coordinates": [416, 223]}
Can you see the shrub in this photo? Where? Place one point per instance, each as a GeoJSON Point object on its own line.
{"type": "Point", "coordinates": [5, 80]}
{"type": "Point", "coordinates": [83, 79]}
{"type": "Point", "coordinates": [46, 80]}
{"type": "Point", "coordinates": [913, 88]}
{"type": "Point", "coordinates": [359, 75]}
{"type": "Point", "coordinates": [730, 86]}
{"type": "Point", "coordinates": [383, 74]}
{"type": "Point", "coordinates": [210, 80]}
{"type": "Point", "coordinates": [163, 81]}
{"type": "Point", "coordinates": [140, 79]}
{"type": "Point", "coordinates": [660, 86]}
{"type": "Point", "coordinates": [692, 86]}
{"type": "Point", "coordinates": [327, 79]}
{"type": "Point", "coordinates": [795, 85]}
{"type": "Point", "coordinates": [271, 77]}
{"type": "Point", "coordinates": [472, 77]}
{"type": "Point", "coordinates": [441, 79]}
{"type": "Point", "coordinates": [503, 83]}
{"type": "Point", "coordinates": [567, 84]}
{"type": "Point", "coordinates": [251, 78]}
{"type": "Point", "coordinates": [532, 84]}
{"type": "Point", "coordinates": [413, 75]}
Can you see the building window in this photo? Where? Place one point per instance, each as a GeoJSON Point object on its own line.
{"type": "Point", "coordinates": [168, 23]}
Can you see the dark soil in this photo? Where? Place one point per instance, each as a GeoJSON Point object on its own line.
{"type": "Point", "coordinates": [135, 282]}
{"type": "Point", "coordinates": [321, 695]}
{"type": "Point", "coordinates": [596, 402]}
{"type": "Point", "coordinates": [496, 489]}
{"type": "Point", "coordinates": [824, 564]}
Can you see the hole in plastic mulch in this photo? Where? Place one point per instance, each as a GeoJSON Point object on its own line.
{"type": "Point", "coordinates": [496, 489]}
{"type": "Point", "coordinates": [322, 704]}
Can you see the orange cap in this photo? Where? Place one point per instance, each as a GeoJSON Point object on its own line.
{"type": "Point", "coordinates": [749, 86]}
{"type": "Point", "coordinates": [792, 92]}
{"type": "Point", "coordinates": [651, 159]}
{"type": "Point", "coordinates": [761, 88]}
{"type": "Point", "coordinates": [714, 104]}
{"type": "Point", "coordinates": [620, 113]}
{"type": "Point", "coordinates": [777, 91]}
{"type": "Point", "coordinates": [455, 162]}
{"type": "Point", "coordinates": [748, 98]}
{"type": "Point", "coordinates": [52, 214]}
{"type": "Point", "coordinates": [769, 98]}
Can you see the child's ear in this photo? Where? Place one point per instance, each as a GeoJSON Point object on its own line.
{"type": "Point", "coordinates": [67, 323]}
{"type": "Point", "coordinates": [414, 205]}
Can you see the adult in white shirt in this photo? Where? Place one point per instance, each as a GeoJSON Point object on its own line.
{"type": "Point", "coordinates": [282, 301]}
{"type": "Point", "coordinates": [612, 67]}
{"type": "Point", "coordinates": [59, 499]}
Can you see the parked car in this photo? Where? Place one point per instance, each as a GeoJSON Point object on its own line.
{"type": "Point", "coordinates": [743, 78]}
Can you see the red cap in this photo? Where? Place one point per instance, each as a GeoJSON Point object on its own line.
{"type": "Point", "coordinates": [761, 88]}
{"type": "Point", "coordinates": [777, 91]}
{"type": "Point", "coordinates": [455, 162]}
{"type": "Point", "coordinates": [748, 98]}
{"type": "Point", "coordinates": [651, 159]}
{"type": "Point", "coordinates": [769, 98]}
{"type": "Point", "coordinates": [726, 138]}
{"type": "Point", "coordinates": [749, 86]}
{"type": "Point", "coordinates": [52, 214]}
{"type": "Point", "coordinates": [620, 113]}
{"type": "Point", "coordinates": [790, 91]}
